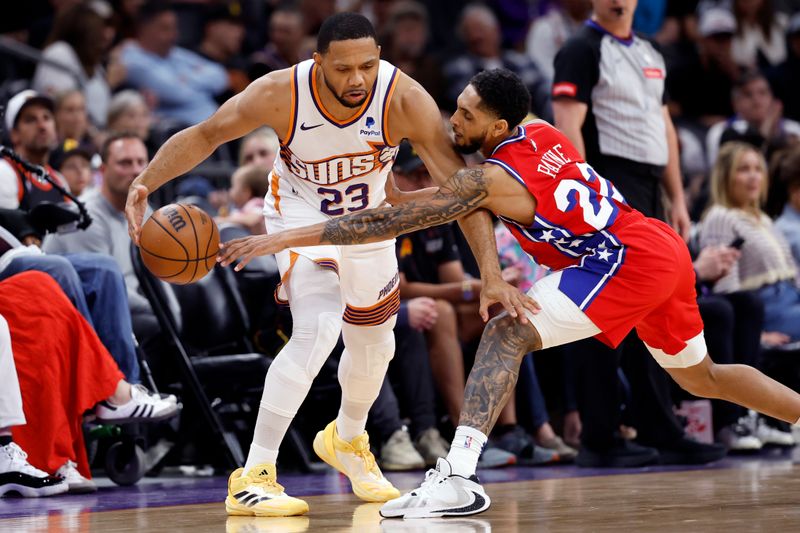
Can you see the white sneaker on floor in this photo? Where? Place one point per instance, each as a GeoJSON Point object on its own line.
{"type": "Point", "coordinates": [76, 482]}
{"type": "Point", "coordinates": [144, 406]}
{"type": "Point", "coordinates": [772, 435]}
{"type": "Point", "coordinates": [441, 494]}
{"type": "Point", "coordinates": [738, 437]}
{"type": "Point", "coordinates": [18, 475]}
{"type": "Point", "coordinates": [399, 454]}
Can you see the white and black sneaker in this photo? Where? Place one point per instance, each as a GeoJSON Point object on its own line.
{"type": "Point", "coordinates": [144, 406]}
{"type": "Point", "coordinates": [18, 475]}
{"type": "Point", "coordinates": [441, 494]}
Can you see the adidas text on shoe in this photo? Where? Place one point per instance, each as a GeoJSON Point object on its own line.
{"type": "Point", "coordinates": [257, 493]}
{"type": "Point", "coordinates": [441, 494]}
{"type": "Point", "coordinates": [355, 460]}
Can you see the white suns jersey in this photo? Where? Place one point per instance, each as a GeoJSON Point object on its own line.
{"type": "Point", "coordinates": [337, 167]}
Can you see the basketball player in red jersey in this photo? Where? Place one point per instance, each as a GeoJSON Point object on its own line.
{"type": "Point", "coordinates": [339, 117]}
{"type": "Point", "coordinates": [614, 270]}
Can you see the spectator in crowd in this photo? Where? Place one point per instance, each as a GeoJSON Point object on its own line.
{"type": "Point", "coordinates": [17, 474]}
{"type": "Point", "coordinates": [129, 112]}
{"type": "Point", "coordinates": [759, 41]}
{"type": "Point", "coordinates": [79, 41]}
{"type": "Point", "coordinates": [609, 100]}
{"type": "Point", "coordinates": [259, 147]}
{"type": "Point", "coordinates": [93, 283]}
{"type": "Point", "coordinates": [57, 356]}
{"type": "Point", "coordinates": [286, 45]}
{"type": "Point", "coordinates": [785, 79]}
{"type": "Point", "coordinates": [766, 265]}
{"type": "Point", "coordinates": [549, 32]}
{"type": "Point", "coordinates": [74, 161]}
{"type": "Point", "coordinates": [124, 156]}
{"type": "Point", "coordinates": [480, 33]}
{"type": "Point", "coordinates": [223, 34]}
{"type": "Point", "coordinates": [72, 120]}
{"type": "Point", "coordinates": [249, 185]}
{"type": "Point", "coordinates": [405, 45]}
{"type": "Point", "coordinates": [758, 119]}
{"type": "Point", "coordinates": [786, 172]}
{"type": "Point", "coordinates": [183, 83]}
{"type": "Point", "coordinates": [701, 84]}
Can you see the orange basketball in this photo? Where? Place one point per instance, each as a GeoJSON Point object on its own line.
{"type": "Point", "coordinates": [179, 243]}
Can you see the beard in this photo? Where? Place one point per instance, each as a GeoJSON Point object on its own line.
{"type": "Point", "coordinates": [471, 146]}
{"type": "Point", "coordinates": [344, 102]}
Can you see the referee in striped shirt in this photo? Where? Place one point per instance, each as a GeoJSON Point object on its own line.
{"type": "Point", "coordinates": [608, 98]}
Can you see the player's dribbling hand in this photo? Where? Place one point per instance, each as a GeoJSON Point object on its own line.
{"type": "Point", "coordinates": [247, 248]}
{"type": "Point", "coordinates": [135, 207]}
{"type": "Point", "coordinates": [513, 301]}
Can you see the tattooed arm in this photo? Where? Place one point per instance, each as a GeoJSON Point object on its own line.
{"type": "Point", "coordinates": [464, 192]}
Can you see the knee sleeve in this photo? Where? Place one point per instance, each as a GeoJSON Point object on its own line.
{"type": "Point", "coordinates": [295, 367]}
{"type": "Point", "coordinates": [365, 360]}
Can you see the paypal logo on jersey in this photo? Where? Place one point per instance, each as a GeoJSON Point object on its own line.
{"type": "Point", "coordinates": [369, 132]}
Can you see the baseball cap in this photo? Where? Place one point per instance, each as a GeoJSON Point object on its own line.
{"type": "Point", "coordinates": [20, 101]}
{"type": "Point", "coordinates": [716, 21]}
{"type": "Point", "coordinates": [67, 149]}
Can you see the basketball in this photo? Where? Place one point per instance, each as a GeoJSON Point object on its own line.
{"type": "Point", "coordinates": [179, 243]}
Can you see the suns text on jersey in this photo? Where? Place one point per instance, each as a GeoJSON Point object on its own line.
{"type": "Point", "coordinates": [341, 167]}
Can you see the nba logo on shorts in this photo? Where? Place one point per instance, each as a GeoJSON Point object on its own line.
{"type": "Point", "coordinates": [370, 122]}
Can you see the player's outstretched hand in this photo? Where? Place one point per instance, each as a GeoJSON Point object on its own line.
{"type": "Point", "coordinates": [247, 248]}
{"type": "Point", "coordinates": [514, 302]}
{"type": "Point", "coordinates": [135, 206]}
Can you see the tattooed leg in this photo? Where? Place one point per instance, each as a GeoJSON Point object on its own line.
{"type": "Point", "coordinates": [494, 375]}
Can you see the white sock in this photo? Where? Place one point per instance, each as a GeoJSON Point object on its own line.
{"type": "Point", "coordinates": [465, 450]}
{"type": "Point", "coordinates": [267, 437]}
{"type": "Point", "coordinates": [348, 428]}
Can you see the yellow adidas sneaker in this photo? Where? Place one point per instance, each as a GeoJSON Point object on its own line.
{"type": "Point", "coordinates": [257, 493]}
{"type": "Point", "coordinates": [354, 460]}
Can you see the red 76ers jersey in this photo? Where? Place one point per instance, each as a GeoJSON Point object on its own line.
{"type": "Point", "coordinates": [577, 211]}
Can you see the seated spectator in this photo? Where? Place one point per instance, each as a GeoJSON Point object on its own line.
{"type": "Point", "coordinates": [223, 34]}
{"type": "Point", "coordinates": [758, 119]}
{"type": "Point", "coordinates": [787, 172]}
{"type": "Point", "coordinates": [259, 147]}
{"type": "Point", "coordinates": [480, 32]}
{"type": "Point", "coordinates": [766, 265]}
{"type": "Point", "coordinates": [700, 86]}
{"type": "Point", "coordinates": [550, 31]}
{"type": "Point", "coordinates": [16, 473]}
{"type": "Point", "coordinates": [129, 112]}
{"type": "Point", "coordinates": [404, 43]}
{"type": "Point", "coordinates": [785, 79]}
{"type": "Point", "coordinates": [79, 41]}
{"type": "Point", "coordinates": [759, 41]}
{"type": "Point", "coordinates": [72, 121]}
{"type": "Point", "coordinates": [249, 185]}
{"type": "Point", "coordinates": [74, 162]}
{"type": "Point", "coordinates": [124, 157]}
{"type": "Point", "coordinates": [286, 45]}
{"type": "Point", "coordinates": [183, 83]}
{"type": "Point", "coordinates": [58, 357]}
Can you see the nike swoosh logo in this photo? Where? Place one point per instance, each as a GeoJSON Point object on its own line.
{"type": "Point", "coordinates": [306, 128]}
{"type": "Point", "coordinates": [478, 503]}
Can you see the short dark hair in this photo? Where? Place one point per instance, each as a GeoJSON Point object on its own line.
{"type": "Point", "coordinates": [503, 94]}
{"type": "Point", "coordinates": [343, 27]}
{"type": "Point", "coordinates": [114, 137]}
{"type": "Point", "coordinates": [152, 10]}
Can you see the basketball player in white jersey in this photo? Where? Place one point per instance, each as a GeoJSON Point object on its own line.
{"type": "Point", "coordinates": [340, 117]}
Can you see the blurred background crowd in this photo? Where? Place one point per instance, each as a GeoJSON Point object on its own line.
{"type": "Point", "coordinates": [92, 89]}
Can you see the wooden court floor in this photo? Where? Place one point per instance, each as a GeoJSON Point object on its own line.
{"type": "Point", "coordinates": [763, 498]}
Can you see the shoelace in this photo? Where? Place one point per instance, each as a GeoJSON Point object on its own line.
{"type": "Point", "coordinates": [145, 395]}
{"type": "Point", "coordinates": [15, 453]}
{"type": "Point", "coordinates": [264, 480]}
{"type": "Point", "coordinates": [361, 449]}
{"type": "Point", "coordinates": [432, 478]}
